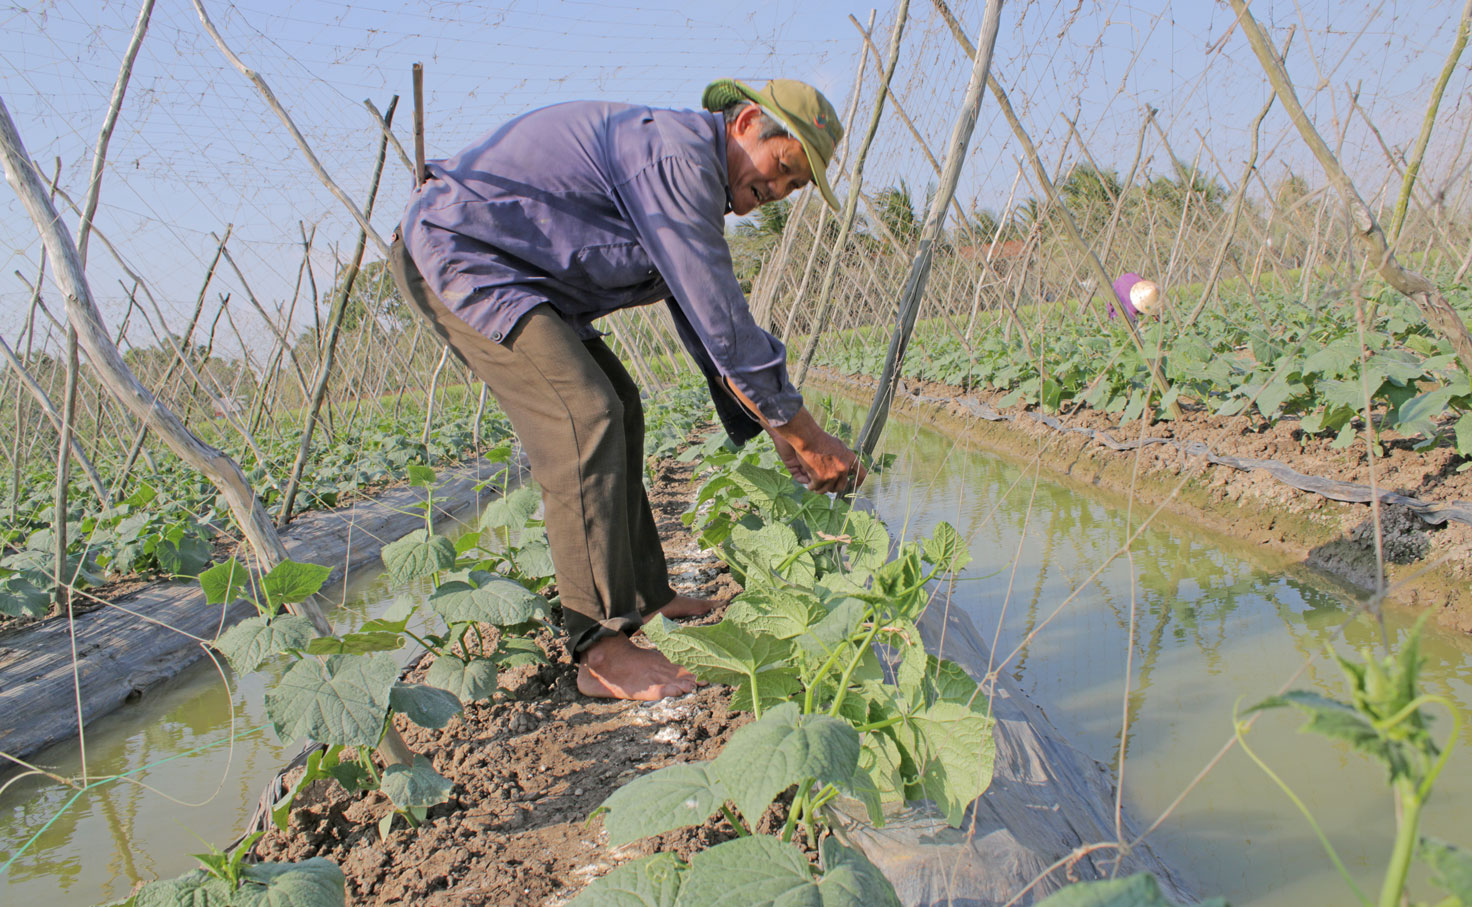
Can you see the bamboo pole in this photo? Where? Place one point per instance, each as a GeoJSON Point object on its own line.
{"type": "Point", "coordinates": [855, 186]}
{"type": "Point", "coordinates": [429, 399]}
{"type": "Point", "coordinates": [914, 290]}
{"type": "Point", "coordinates": [38, 393]}
{"type": "Point", "coordinates": [1065, 217]}
{"type": "Point", "coordinates": [329, 346]}
{"type": "Point", "coordinates": [393, 140]}
{"type": "Point", "coordinates": [418, 124]}
{"type": "Point", "coordinates": [275, 105]}
{"type": "Point", "coordinates": [63, 582]}
{"type": "Point", "coordinates": [138, 438]}
{"type": "Point", "coordinates": [1434, 307]}
{"type": "Point", "coordinates": [1433, 105]}
{"type": "Point", "coordinates": [1239, 197]}
{"type": "Point", "coordinates": [83, 313]}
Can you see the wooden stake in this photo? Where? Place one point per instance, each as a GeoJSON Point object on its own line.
{"type": "Point", "coordinates": [419, 174]}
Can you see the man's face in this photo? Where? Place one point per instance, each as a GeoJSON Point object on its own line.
{"type": "Point", "coordinates": [762, 170]}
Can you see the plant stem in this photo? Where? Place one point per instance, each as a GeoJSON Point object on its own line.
{"type": "Point", "coordinates": [1238, 726]}
{"type": "Point", "coordinates": [807, 705]}
{"type": "Point", "coordinates": [791, 559]}
{"type": "Point", "coordinates": [852, 664]}
{"type": "Point", "coordinates": [422, 642]}
{"type": "Point", "coordinates": [736, 824]}
{"type": "Point", "coordinates": [876, 725]}
{"type": "Point", "coordinates": [797, 805]}
{"type": "Point", "coordinates": [1406, 835]}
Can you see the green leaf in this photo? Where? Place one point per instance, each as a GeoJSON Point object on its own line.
{"type": "Point", "coordinates": [1139, 890]}
{"type": "Point", "coordinates": [878, 779]}
{"type": "Point", "coordinates": [782, 615]}
{"type": "Point", "coordinates": [512, 510]}
{"type": "Point", "coordinates": [182, 555]}
{"type": "Point", "coordinates": [534, 559]}
{"type": "Point", "coordinates": [954, 751]}
{"type": "Point", "coordinates": [650, 882]}
{"type": "Point", "coordinates": [945, 549]}
{"type": "Point", "coordinates": [761, 551]}
{"type": "Point", "coordinates": [1464, 435]}
{"type": "Point", "coordinates": [1348, 393]}
{"type": "Point", "coordinates": [661, 801]}
{"type": "Point", "coordinates": [774, 686]}
{"type": "Point", "coordinates": [359, 643]}
{"type": "Point", "coordinates": [427, 706]}
{"type": "Point", "coordinates": [1451, 868]}
{"type": "Point", "coordinates": [952, 683]}
{"type": "Point", "coordinates": [316, 882]}
{"type": "Point", "coordinates": [870, 542]}
{"type": "Point", "coordinates": [224, 583]}
{"type": "Point", "coordinates": [416, 785]}
{"type": "Point", "coordinates": [850, 878]}
{"type": "Point", "coordinates": [290, 582]}
{"type": "Point", "coordinates": [19, 597]}
{"type": "Point", "coordinates": [419, 475]}
{"type": "Point", "coordinates": [721, 653]}
{"type": "Point", "coordinates": [515, 651]}
{"type": "Point", "coordinates": [764, 758]}
{"type": "Point", "coordinates": [418, 554]}
{"type": "Point", "coordinates": [1333, 719]}
{"type": "Point", "coordinates": [762, 871]}
{"type": "Point", "coordinates": [342, 700]}
{"type": "Point", "coordinates": [487, 598]}
{"type": "Point", "coordinates": [761, 484]}
{"type": "Point", "coordinates": [1418, 415]}
{"type": "Point", "coordinates": [193, 889]}
{"type": "Point", "coordinates": [143, 496]}
{"type": "Point", "coordinates": [473, 681]}
{"type": "Point", "coordinates": [256, 640]}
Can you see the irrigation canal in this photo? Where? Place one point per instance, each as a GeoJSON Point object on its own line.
{"type": "Point", "coordinates": [1213, 623]}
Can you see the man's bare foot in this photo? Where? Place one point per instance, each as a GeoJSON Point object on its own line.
{"type": "Point", "coordinates": [615, 668]}
{"type": "Point", "coordinates": [685, 606]}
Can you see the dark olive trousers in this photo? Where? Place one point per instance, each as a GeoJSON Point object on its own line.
{"type": "Point", "coordinates": [578, 416]}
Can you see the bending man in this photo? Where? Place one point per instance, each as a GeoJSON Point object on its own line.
{"type": "Point", "coordinates": [515, 246]}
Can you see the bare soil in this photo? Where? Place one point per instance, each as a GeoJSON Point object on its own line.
{"type": "Point", "coordinates": [1425, 566]}
{"type": "Point", "coordinates": [529, 769]}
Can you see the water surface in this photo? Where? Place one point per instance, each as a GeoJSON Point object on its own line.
{"type": "Point", "coordinates": [1147, 655]}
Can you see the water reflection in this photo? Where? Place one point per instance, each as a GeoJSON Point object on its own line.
{"type": "Point", "coordinates": [1208, 622]}
{"type": "Point", "coordinates": [196, 754]}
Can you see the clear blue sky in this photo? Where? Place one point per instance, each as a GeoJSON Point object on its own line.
{"type": "Point", "coordinates": [197, 149]}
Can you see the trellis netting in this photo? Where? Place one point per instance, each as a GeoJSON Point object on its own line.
{"type": "Point", "coordinates": [1137, 138]}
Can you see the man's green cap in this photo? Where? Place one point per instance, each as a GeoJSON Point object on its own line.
{"type": "Point", "coordinates": [801, 108]}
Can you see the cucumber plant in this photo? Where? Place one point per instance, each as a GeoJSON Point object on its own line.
{"type": "Point", "coordinates": [823, 648]}
{"type": "Point", "coordinates": [1386, 720]}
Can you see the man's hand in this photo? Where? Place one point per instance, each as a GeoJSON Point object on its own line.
{"type": "Point", "coordinates": [815, 458]}
{"type": "Point", "coordinates": [823, 463]}
{"type": "Point", "coordinates": [790, 459]}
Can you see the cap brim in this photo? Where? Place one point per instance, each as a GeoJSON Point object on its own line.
{"type": "Point", "coordinates": [820, 176]}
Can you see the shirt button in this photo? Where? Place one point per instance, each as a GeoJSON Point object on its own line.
{"type": "Point", "coordinates": [496, 336]}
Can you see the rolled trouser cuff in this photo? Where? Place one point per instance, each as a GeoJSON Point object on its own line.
{"type": "Point", "coordinates": [583, 631]}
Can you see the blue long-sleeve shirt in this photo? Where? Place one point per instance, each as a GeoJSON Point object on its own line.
{"type": "Point", "coordinates": [595, 207]}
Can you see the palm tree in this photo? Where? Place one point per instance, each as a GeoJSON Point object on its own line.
{"type": "Point", "coordinates": [896, 208]}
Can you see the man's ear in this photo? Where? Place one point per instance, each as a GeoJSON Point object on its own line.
{"type": "Point", "coordinates": [748, 118]}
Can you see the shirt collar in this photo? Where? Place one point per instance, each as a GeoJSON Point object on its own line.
{"type": "Point", "coordinates": [718, 120]}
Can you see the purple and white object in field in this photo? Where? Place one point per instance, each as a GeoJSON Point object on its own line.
{"type": "Point", "coordinates": [1136, 297]}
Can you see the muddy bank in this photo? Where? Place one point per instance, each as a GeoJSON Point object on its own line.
{"type": "Point", "coordinates": [1427, 565]}
{"type": "Point", "coordinates": [130, 644]}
